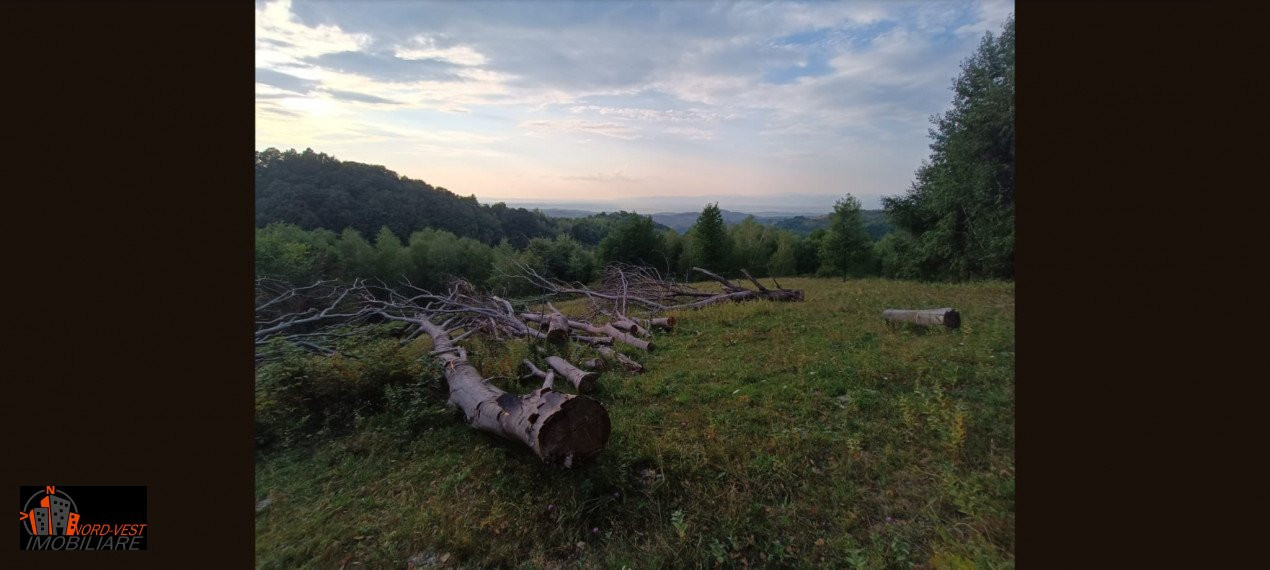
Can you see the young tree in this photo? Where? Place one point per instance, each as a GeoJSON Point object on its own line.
{"type": "Point", "coordinates": [710, 245]}
{"type": "Point", "coordinates": [784, 262]}
{"type": "Point", "coordinates": [633, 240]}
{"type": "Point", "coordinates": [960, 210]}
{"type": "Point", "coordinates": [846, 248]}
{"type": "Point", "coordinates": [391, 261]}
{"type": "Point", "coordinates": [354, 254]}
{"type": "Point", "coordinates": [753, 243]}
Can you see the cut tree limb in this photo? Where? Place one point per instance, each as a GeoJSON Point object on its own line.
{"type": "Point", "coordinates": [557, 326]}
{"type": "Point", "coordinates": [621, 359]}
{"type": "Point", "coordinates": [625, 338]}
{"type": "Point", "coordinates": [581, 380]}
{"type": "Point", "coordinates": [947, 317]}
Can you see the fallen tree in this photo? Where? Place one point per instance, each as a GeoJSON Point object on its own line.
{"type": "Point", "coordinates": [561, 429]}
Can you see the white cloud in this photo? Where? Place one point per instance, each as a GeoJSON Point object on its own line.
{"type": "Point", "coordinates": [614, 130]}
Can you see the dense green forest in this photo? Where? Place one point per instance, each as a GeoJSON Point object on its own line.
{"type": "Point", "coordinates": [322, 218]}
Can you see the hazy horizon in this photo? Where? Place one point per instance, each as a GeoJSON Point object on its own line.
{"type": "Point", "coordinates": [774, 107]}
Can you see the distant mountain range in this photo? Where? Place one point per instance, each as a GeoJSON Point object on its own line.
{"type": "Point", "coordinates": [874, 220]}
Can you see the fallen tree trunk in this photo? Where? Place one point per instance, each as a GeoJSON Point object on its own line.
{"type": "Point", "coordinates": [581, 380]}
{"type": "Point", "coordinates": [737, 293]}
{"type": "Point", "coordinates": [562, 429]}
{"type": "Point", "coordinates": [947, 317]}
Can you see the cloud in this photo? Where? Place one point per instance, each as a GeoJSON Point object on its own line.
{"type": "Point", "coordinates": [386, 67]}
{"type": "Point", "coordinates": [361, 97]}
{"type": "Point", "coordinates": [614, 130]}
{"type": "Point", "coordinates": [678, 84]}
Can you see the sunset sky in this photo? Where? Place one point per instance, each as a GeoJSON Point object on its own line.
{"type": "Point", "coordinates": [608, 102]}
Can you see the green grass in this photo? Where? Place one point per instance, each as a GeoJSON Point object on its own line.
{"type": "Point", "coordinates": [763, 434]}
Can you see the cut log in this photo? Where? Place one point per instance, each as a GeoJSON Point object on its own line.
{"type": "Point", "coordinates": [562, 429]}
{"type": "Point", "coordinates": [621, 359]}
{"type": "Point", "coordinates": [595, 364]}
{"type": "Point", "coordinates": [665, 323]}
{"type": "Point", "coordinates": [632, 327]}
{"type": "Point", "coordinates": [557, 325]}
{"type": "Point", "coordinates": [581, 380]}
{"type": "Point", "coordinates": [622, 337]}
{"type": "Point", "coordinates": [947, 317]}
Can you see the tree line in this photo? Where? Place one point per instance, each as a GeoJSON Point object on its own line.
{"type": "Point", "coordinates": [955, 222]}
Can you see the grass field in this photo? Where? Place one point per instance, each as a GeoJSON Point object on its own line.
{"type": "Point", "coordinates": [763, 434]}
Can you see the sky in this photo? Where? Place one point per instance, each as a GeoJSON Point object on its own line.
{"type": "Point", "coordinates": [777, 105]}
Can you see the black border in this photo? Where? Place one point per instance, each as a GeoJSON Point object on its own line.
{"type": "Point", "coordinates": [129, 209]}
{"type": "Point", "coordinates": [128, 252]}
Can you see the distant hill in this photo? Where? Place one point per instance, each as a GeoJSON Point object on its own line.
{"type": "Point", "coordinates": [874, 221]}
{"type": "Point", "coordinates": [314, 190]}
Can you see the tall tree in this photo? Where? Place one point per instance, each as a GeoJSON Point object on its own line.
{"type": "Point", "coordinates": [391, 261]}
{"type": "Point", "coordinates": [846, 248]}
{"type": "Point", "coordinates": [784, 260]}
{"type": "Point", "coordinates": [711, 246]}
{"type": "Point", "coordinates": [633, 240]}
{"type": "Point", "coordinates": [959, 212]}
{"type": "Point", "coordinates": [753, 244]}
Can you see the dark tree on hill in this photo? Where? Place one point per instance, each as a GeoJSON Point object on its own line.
{"type": "Point", "coordinates": [846, 248]}
{"type": "Point", "coordinates": [633, 240]}
{"type": "Point", "coordinates": [958, 216]}
{"type": "Point", "coordinates": [711, 246]}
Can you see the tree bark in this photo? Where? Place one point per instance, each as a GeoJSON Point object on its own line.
{"type": "Point", "coordinates": [621, 359]}
{"type": "Point", "coordinates": [622, 337]}
{"type": "Point", "coordinates": [562, 429]}
{"type": "Point", "coordinates": [666, 323]}
{"type": "Point", "coordinates": [947, 317]}
{"type": "Point", "coordinates": [557, 326]}
{"type": "Point", "coordinates": [581, 380]}
{"type": "Point", "coordinates": [632, 327]}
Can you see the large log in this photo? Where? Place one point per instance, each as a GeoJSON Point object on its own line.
{"type": "Point", "coordinates": [947, 317]}
{"type": "Point", "coordinates": [562, 429]}
{"type": "Point", "coordinates": [581, 380]}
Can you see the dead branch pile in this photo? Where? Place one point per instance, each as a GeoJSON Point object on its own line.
{"type": "Point", "coordinates": [622, 286]}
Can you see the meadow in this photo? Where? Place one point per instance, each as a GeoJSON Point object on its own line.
{"type": "Point", "coordinates": [805, 435]}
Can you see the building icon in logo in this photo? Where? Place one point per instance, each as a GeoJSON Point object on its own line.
{"type": "Point", "coordinates": [56, 514]}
